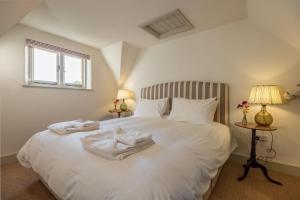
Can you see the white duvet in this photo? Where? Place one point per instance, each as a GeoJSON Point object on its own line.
{"type": "Point", "coordinates": [179, 166]}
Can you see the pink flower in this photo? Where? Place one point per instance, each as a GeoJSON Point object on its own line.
{"type": "Point", "coordinates": [244, 102]}
{"type": "Point", "coordinates": [116, 101]}
{"type": "Point", "coordinates": [244, 106]}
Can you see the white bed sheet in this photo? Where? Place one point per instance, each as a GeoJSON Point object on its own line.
{"type": "Point", "coordinates": [179, 166]}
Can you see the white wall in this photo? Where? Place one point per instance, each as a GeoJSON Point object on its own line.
{"type": "Point", "coordinates": [26, 111]}
{"type": "Point", "coordinates": [242, 55]}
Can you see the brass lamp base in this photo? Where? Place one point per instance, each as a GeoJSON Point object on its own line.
{"type": "Point", "coordinates": [123, 106]}
{"type": "Point", "coordinates": [263, 118]}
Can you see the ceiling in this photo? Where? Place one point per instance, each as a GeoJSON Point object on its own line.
{"type": "Point", "coordinates": [282, 18]}
{"type": "Point", "coordinates": [11, 12]}
{"type": "Point", "coordinates": [100, 23]}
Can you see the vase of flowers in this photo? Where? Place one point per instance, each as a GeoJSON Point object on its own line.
{"type": "Point", "coordinates": [116, 101]}
{"type": "Point", "coordinates": [244, 106]}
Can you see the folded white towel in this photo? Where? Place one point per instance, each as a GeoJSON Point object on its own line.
{"type": "Point", "coordinates": [133, 137]}
{"type": "Point", "coordinates": [63, 128]}
{"type": "Point", "coordinates": [106, 145]}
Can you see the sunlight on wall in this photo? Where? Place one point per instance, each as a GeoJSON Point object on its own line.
{"type": "Point", "coordinates": [263, 74]}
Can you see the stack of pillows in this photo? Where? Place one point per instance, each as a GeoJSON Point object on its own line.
{"type": "Point", "coordinates": [200, 111]}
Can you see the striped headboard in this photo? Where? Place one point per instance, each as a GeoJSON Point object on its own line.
{"type": "Point", "coordinates": [192, 90]}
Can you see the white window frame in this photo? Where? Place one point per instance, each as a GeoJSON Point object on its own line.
{"type": "Point", "coordinates": [60, 71]}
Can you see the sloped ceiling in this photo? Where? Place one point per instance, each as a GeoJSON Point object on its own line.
{"type": "Point", "coordinates": [100, 23]}
{"type": "Point", "coordinates": [113, 57]}
{"type": "Point", "coordinates": [11, 12]}
{"type": "Point", "coordinates": [279, 17]}
{"type": "Point", "coordinates": [121, 58]}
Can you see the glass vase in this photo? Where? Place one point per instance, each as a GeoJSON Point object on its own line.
{"type": "Point", "coordinates": [244, 120]}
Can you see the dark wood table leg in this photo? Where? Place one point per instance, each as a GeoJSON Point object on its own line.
{"type": "Point", "coordinates": [265, 172]}
{"type": "Point", "coordinates": [252, 158]}
{"type": "Point", "coordinates": [246, 170]}
{"type": "Point", "coordinates": [252, 162]}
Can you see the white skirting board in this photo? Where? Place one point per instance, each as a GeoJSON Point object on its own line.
{"type": "Point", "coordinates": [8, 159]}
{"type": "Point", "coordinates": [277, 167]}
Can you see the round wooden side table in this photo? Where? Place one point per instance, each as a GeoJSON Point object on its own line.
{"type": "Point", "coordinates": [119, 112]}
{"type": "Point", "coordinates": [252, 162]}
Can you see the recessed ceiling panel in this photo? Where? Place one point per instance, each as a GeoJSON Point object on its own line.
{"type": "Point", "coordinates": [168, 25]}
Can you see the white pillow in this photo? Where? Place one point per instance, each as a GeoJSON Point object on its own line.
{"type": "Point", "coordinates": [152, 107]}
{"type": "Point", "coordinates": [200, 111]}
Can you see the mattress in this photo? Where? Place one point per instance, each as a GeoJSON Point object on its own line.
{"type": "Point", "coordinates": [181, 165]}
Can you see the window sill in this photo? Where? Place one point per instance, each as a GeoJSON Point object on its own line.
{"type": "Point", "coordinates": [54, 86]}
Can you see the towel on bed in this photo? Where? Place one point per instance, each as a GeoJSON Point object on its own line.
{"type": "Point", "coordinates": [107, 145]}
{"type": "Point", "coordinates": [63, 128]}
{"type": "Point", "coordinates": [132, 137]}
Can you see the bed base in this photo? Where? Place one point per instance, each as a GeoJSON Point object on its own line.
{"type": "Point", "coordinates": [204, 197]}
{"type": "Point", "coordinates": [213, 183]}
{"type": "Point", "coordinates": [47, 186]}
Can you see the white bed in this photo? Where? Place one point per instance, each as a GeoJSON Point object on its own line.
{"type": "Point", "coordinates": [181, 165]}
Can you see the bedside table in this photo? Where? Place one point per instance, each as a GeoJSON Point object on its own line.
{"type": "Point", "coordinates": [252, 162]}
{"type": "Point", "coordinates": [120, 113]}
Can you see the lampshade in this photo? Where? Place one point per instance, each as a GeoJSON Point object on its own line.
{"type": "Point", "coordinates": [124, 94]}
{"type": "Point", "coordinates": [265, 94]}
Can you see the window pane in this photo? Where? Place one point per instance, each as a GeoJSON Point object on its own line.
{"type": "Point", "coordinates": [73, 70]}
{"type": "Point", "coordinates": [44, 63]}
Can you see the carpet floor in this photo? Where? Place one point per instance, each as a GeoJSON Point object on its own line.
{"type": "Point", "coordinates": [18, 183]}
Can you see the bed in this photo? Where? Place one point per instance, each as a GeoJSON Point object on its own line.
{"type": "Point", "coordinates": [183, 164]}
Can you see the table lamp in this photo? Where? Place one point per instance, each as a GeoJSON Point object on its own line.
{"type": "Point", "coordinates": [264, 95]}
{"type": "Point", "coordinates": [123, 94]}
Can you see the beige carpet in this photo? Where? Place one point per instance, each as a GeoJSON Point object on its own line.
{"type": "Point", "coordinates": [18, 183]}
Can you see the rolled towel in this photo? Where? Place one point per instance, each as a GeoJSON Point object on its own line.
{"type": "Point", "coordinates": [119, 130]}
{"type": "Point", "coordinates": [88, 123]}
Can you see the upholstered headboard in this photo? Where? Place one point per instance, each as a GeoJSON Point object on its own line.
{"type": "Point", "coordinates": [192, 90]}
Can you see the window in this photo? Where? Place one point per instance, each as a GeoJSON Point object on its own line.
{"type": "Point", "coordinates": [44, 66]}
{"type": "Point", "coordinates": [51, 66]}
{"type": "Point", "coordinates": [73, 70]}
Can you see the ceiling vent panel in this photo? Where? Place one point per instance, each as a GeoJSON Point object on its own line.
{"type": "Point", "coordinates": [168, 25]}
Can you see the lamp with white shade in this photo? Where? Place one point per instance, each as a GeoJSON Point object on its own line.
{"type": "Point", "coordinates": [264, 95]}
